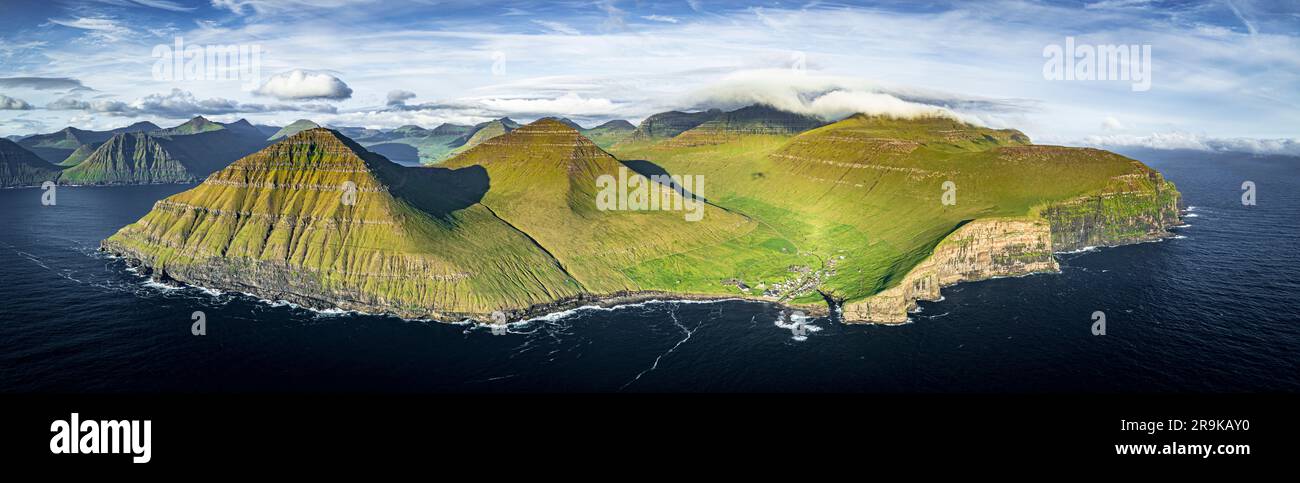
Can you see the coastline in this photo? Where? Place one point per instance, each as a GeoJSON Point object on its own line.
{"type": "Point", "coordinates": [560, 308]}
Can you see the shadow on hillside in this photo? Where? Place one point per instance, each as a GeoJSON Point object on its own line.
{"type": "Point", "coordinates": [648, 169]}
{"type": "Point", "coordinates": [441, 191]}
{"type": "Point", "coordinates": [397, 152]}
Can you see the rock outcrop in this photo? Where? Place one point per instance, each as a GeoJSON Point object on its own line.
{"type": "Point", "coordinates": [979, 250]}
{"type": "Point", "coordinates": [1135, 208]}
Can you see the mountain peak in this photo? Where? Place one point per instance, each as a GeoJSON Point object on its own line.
{"type": "Point", "coordinates": [447, 128]}
{"type": "Point", "coordinates": [329, 140]}
{"type": "Point", "coordinates": [196, 125]}
{"type": "Point", "coordinates": [20, 167]}
{"type": "Point", "coordinates": [293, 128]}
{"type": "Point", "coordinates": [550, 123]}
{"type": "Point", "coordinates": [568, 122]}
{"type": "Point", "coordinates": [617, 124]}
{"type": "Point", "coordinates": [322, 135]}
{"type": "Point", "coordinates": [672, 123]}
{"type": "Point", "coordinates": [140, 126]}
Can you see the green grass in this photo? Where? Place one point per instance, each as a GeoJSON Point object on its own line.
{"type": "Point", "coordinates": [846, 209]}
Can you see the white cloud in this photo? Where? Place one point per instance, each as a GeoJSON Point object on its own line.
{"type": "Point", "coordinates": [399, 97]}
{"type": "Point", "coordinates": [1198, 142]}
{"type": "Point", "coordinates": [159, 4]}
{"type": "Point", "coordinates": [243, 7]}
{"type": "Point", "coordinates": [301, 84]}
{"type": "Point", "coordinates": [557, 27]}
{"type": "Point", "coordinates": [1111, 124]}
{"type": "Point", "coordinates": [97, 28]}
{"type": "Point", "coordinates": [825, 97]}
{"type": "Point", "coordinates": [13, 104]}
{"type": "Point", "coordinates": [178, 104]}
{"type": "Point", "coordinates": [567, 105]}
{"type": "Point", "coordinates": [660, 18]}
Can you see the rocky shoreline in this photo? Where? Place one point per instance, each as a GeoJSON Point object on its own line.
{"type": "Point", "coordinates": [979, 250]}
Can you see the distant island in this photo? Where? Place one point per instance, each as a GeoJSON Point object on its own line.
{"type": "Point", "coordinates": [864, 216]}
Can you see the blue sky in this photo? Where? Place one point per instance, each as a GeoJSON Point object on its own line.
{"type": "Point", "coordinates": [1223, 73]}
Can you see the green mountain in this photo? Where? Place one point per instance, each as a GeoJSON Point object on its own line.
{"type": "Point", "coordinates": [752, 120]}
{"type": "Point", "coordinates": [479, 133]}
{"type": "Point", "coordinates": [448, 129]}
{"type": "Point", "coordinates": [864, 195]}
{"type": "Point", "coordinates": [672, 123]}
{"type": "Point", "coordinates": [20, 167]}
{"type": "Point", "coordinates": [609, 133]}
{"type": "Point", "coordinates": [485, 131]}
{"type": "Point", "coordinates": [279, 224]}
{"type": "Point", "coordinates": [166, 156]}
{"type": "Point", "coordinates": [856, 212]}
{"type": "Point", "coordinates": [80, 154]}
{"type": "Point", "coordinates": [413, 144]}
{"type": "Point", "coordinates": [197, 125]}
{"type": "Point", "coordinates": [568, 122]}
{"type": "Point", "coordinates": [57, 146]}
{"type": "Point", "coordinates": [293, 128]}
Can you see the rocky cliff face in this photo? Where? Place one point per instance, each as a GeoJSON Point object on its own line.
{"type": "Point", "coordinates": [979, 250]}
{"type": "Point", "coordinates": [1135, 208]}
{"type": "Point", "coordinates": [20, 167]}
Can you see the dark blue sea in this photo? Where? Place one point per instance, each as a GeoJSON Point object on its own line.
{"type": "Point", "coordinates": [1213, 310]}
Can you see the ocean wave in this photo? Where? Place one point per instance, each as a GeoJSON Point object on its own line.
{"type": "Point", "coordinates": [1081, 250]}
{"type": "Point", "coordinates": [555, 316]}
{"type": "Point", "coordinates": [798, 328]}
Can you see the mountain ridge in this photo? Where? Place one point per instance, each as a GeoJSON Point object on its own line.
{"type": "Point", "coordinates": [850, 213]}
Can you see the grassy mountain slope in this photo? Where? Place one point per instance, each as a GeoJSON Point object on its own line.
{"type": "Point", "coordinates": [166, 156]}
{"type": "Point", "coordinates": [479, 133]}
{"type": "Point", "coordinates": [413, 144]}
{"type": "Point", "coordinates": [20, 167]}
{"type": "Point", "coordinates": [56, 147]}
{"type": "Point", "coordinates": [752, 120]}
{"type": "Point", "coordinates": [669, 124]}
{"type": "Point", "coordinates": [543, 182]}
{"type": "Point", "coordinates": [852, 211]}
{"type": "Point", "coordinates": [864, 194]}
{"type": "Point", "coordinates": [194, 126]}
{"type": "Point", "coordinates": [293, 128]}
{"type": "Point", "coordinates": [609, 133]}
{"type": "Point", "coordinates": [276, 223]}
{"type": "Point", "coordinates": [80, 154]}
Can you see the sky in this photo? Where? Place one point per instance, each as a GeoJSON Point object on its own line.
{"type": "Point", "coordinates": [1218, 74]}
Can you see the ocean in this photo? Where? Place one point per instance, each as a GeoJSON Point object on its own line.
{"type": "Point", "coordinates": [1214, 309]}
